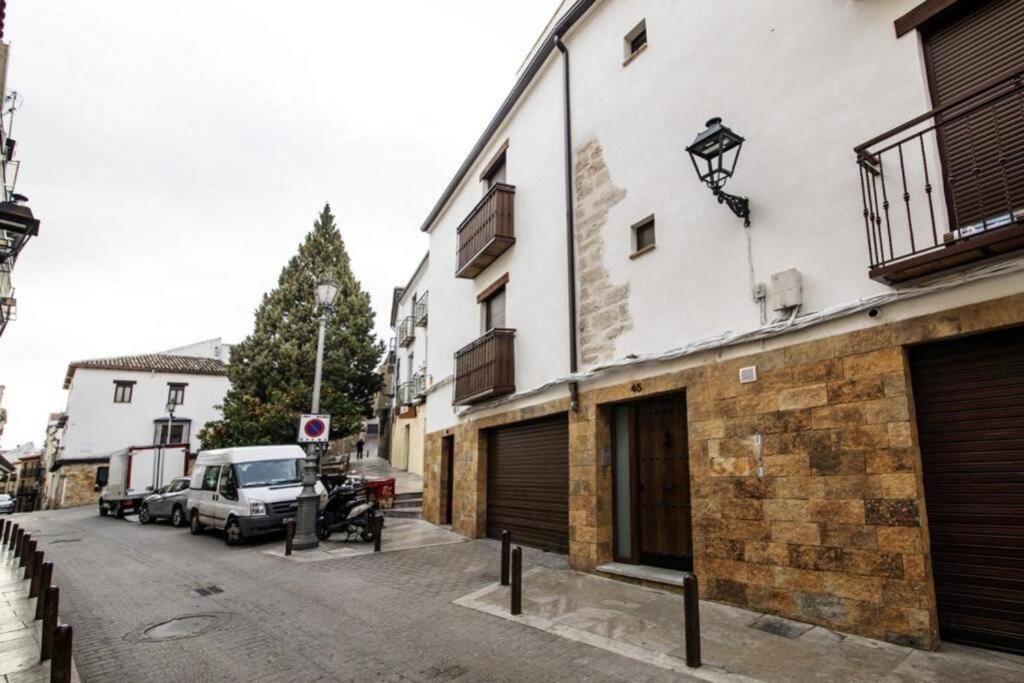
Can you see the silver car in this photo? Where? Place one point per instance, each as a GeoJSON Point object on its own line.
{"type": "Point", "coordinates": [6, 504]}
{"type": "Point", "coordinates": [168, 502]}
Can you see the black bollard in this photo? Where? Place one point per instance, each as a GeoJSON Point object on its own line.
{"type": "Point", "coordinates": [691, 609]}
{"type": "Point", "coordinates": [289, 536]}
{"type": "Point", "coordinates": [517, 581]}
{"type": "Point", "coordinates": [26, 541]}
{"type": "Point", "coordinates": [37, 571]}
{"type": "Point", "coordinates": [29, 557]}
{"type": "Point", "coordinates": [17, 541]}
{"type": "Point", "coordinates": [14, 534]}
{"type": "Point", "coordinates": [52, 602]}
{"type": "Point", "coordinates": [506, 549]}
{"type": "Point", "coordinates": [44, 582]}
{"type": "Point", "coordinates": [7, 530]}
{"type": "Point", "coordinates": [60, 668]}
{"type": "Point", "coordinates": [378, 532]}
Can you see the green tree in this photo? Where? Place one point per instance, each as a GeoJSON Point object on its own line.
{"type": "Point", "coordinates": [271, 370]}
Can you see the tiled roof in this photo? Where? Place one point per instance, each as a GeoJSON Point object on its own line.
{"type": "Point", "coordinates": [151, 362]}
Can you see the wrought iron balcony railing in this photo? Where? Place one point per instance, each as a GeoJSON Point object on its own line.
{"type": "Point", "coordinates": [419, 384]}
{"type": "Point", "coordinates": [406, 331]}
{"type": "Point", "coordinates": [405, 394]}
{"type": "Point", "coordinates": [419, 312]}
{"type": "Point", "coordinates": [945, 190]}
{"type": "Point", "coordinates": [486, 368]}
{"type": "Point", "coordinates": [487, 232]}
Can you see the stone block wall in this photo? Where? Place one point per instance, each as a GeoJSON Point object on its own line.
{"type": "Point", "coordinates": [806, 488]}
{"type": "Point", "coordinates": [76, 485]}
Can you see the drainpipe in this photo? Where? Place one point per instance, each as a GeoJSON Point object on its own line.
{"type": "Point", "coordinates": [570, 227]}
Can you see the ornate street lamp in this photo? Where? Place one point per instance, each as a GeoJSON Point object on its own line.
{"type": "Point", "coordinates": [17, 218]}
{"type": "Point", "coordinates": [326, 292]}
{"type": "Point", "coordinates": [714, 154]}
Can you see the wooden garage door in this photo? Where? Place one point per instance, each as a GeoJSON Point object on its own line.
{"type": "Point", "coordinates": [528, 483]}
{"type": "Point", "coordinates": [969, 396]}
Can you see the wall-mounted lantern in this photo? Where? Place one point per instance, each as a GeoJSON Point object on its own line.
{"type": "Point", "coordinates": [17, 218]}
{"type": "Point", "coordinates": [714, 154]}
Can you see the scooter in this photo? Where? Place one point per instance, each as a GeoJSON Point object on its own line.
{"type": "Point", "coordinates": [348, 509]}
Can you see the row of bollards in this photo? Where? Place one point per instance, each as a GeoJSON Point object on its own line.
{"type": "Point", "coordinates": [56, 640]}
{"type": "Point", "coordinates": [512, 573]}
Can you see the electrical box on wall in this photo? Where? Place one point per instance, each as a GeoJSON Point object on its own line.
{"type": "Point", "coordinates": [787, 290]}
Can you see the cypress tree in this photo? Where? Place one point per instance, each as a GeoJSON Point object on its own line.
{"type": "Point", "coordinates": [271, 370]}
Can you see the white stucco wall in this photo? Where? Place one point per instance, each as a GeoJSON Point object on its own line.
{"type": "Point", "coordinates": [97, 425]}
{"type": "Point", "coordinates": [414, 291]}
{"type": "Point", "coordinates": [804, 81]}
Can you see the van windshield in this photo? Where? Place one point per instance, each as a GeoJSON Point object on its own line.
{"type": "Point", "coordinates": [269, 472]}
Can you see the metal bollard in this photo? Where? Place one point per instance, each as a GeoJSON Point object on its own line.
{"type": "Point", "coordinates": [517, 581]}
{"type": "Point", "coordinates": [52, 602]}
{"type": "Point", "coordinates": [36, 565]}
{"type": "Point", "coordinates": [17, 541]}
{"type": "Point", "coordinates": [44, 583]}
{"type": "Point", "coordinates": [378, 532]}
{"type": "Point", "coordinates": [506, 549]}
{"type": "Point", "coordinates": [26, 541]}
{"type": "Point", "coordinates": [691, 609]}
{"type": "Point", "coordinates": [289, 536]}
{"type": "Point", "coordinates": [60, 668]}
{"type": "Point", "coordinates": [28, 557]}
{"type": "Point", "coordinates": [7, 530]}
{"type": "Point", "coordinates": [14, 533]}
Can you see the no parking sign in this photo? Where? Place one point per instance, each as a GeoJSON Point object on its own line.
{"type": "Point", "coordinates": [314, 428]}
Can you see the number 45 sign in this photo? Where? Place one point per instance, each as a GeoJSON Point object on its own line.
{"type": "Point", "coordinates": [314, 428]}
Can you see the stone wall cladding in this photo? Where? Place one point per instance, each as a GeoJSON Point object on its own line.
{"type": "Point", "coordinates": [79, 485]}
{"type": "Point", "coordinates": [603, 307]}
{"type": "Point", "coordinates": [833, 533]}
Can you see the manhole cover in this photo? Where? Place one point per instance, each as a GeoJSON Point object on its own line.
{"type": "Point", "coordinates": [178, 628]}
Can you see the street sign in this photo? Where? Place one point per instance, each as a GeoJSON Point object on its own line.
{"type": "Point", "coordinates": [314, 428]}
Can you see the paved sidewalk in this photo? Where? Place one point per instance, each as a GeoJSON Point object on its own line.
{"type": "Point", "coordinates": [399, 534]}
{"type": "Point", "coordinates": [405, 482]}
{"type": "Point", "coordinates": [737, 645]}
{"type": "Point", "coordinates": [19, 632]}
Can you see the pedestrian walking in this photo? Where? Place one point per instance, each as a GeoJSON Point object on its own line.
{"type": "Point", "coordinates": [359, 449]}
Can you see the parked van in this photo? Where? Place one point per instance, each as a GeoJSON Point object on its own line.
{"type": "Point", "coordinates": [246, 491]}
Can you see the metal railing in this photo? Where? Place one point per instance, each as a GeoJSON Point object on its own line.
{"type": "Point", "coordinates": [419, 311]}
{"type": "Point", "coordinates": [406, 331]}
{"type": "Point", "coordinates": [486, 368]}
{"type": "Point", "coordinates": [405, 394]}
{"type": "Point", "coordinates": [487, 232]}
{"type": "Point", "coordinates": [936, 186]}
{"type": "Point", "coordinates": [419, 384]}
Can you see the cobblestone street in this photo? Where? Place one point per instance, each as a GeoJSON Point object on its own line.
{"type": "Point", "coordinates": [372, 617]}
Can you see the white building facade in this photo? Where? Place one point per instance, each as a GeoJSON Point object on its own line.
{"type": "Point", "coordinates": [644, 381]}
{"type": "Point", "coordinates": [412, 376]}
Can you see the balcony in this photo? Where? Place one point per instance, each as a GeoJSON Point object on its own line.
{"type": "Point", "coordinates": [945, 190]}
{"type": "Point", "coordinates": [405, 394]}
{"type": "Point", "coordinates": [419, 312]}
{"type": "Point", "coordinates": [406, 331]}
{"type": "Point", "coordinates": [486, 368]}
{"type": "Point", "coordinates": [488, 232]}
{"type": "Point", "coordinates": [419, 385]}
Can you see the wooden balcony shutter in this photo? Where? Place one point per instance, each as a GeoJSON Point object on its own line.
{"type": "Point", "coordinates": [972, 44]}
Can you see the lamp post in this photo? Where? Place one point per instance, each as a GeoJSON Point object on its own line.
{"type": "Point", "coordinates": [305, 518]}
{"type": "Point", "coordinates": [714, 154]}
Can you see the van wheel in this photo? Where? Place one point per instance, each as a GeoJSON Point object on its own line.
{"type": "Point", "coordinates": [195, 526]}
{"type": "Point", "coordinates": [118, 511]}
{"type": "Point", "coordinates": [232, 532]}
{"type": "Point", "coordinates": [144, 516]}
{"type": "Point", "coordinates": [177, 517]}
{"type": "Point", "coordinates": [103, 509]}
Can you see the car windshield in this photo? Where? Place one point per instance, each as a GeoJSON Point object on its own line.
{"type": "Point", "coordinates": [269, 472]}
{"type": "Point", "coordinates": [4, 498]}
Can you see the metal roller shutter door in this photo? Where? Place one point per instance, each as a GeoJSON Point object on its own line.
{"type": "Point", "coordinates": [528, 483]}
{"type": "Point", "coordinates": [969, 399]}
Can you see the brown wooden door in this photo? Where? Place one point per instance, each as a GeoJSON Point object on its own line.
{"type": "Point", "coordinates": [969, 399]}
{"type": "Point", "coordinates": [663, 483]}
{"type": "Point", "coordinates": [977, 42]}
{"type": "Point", "coordinates": [528, 483]}
{"type": "Point", "coordinates": [448, 476]}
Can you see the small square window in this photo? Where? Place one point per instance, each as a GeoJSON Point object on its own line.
{"type": "Point", "coordinates": [176, 393]}
{"type": "Point", "coordinates": [635, 41]}
{"type": "Point", "coordinates": [123, 391]}
{"type": "Point", "coordinates": [643, 236]}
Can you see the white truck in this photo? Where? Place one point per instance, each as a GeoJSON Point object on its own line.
{"type": "Point", "coordinates": [136, 472]}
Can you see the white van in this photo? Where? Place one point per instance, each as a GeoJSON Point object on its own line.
{"type": "Point", "coordinates": [246, 491]}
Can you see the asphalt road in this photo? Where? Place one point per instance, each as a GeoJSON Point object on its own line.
{"type": "Point", "coordinates": [384, 616]}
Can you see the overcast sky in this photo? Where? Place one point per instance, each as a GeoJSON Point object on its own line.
{"type": "Point", "coordinates": [178, 152]}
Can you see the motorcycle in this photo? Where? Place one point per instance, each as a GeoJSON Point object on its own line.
{"type": "Point", "coordinates": [348, 509]}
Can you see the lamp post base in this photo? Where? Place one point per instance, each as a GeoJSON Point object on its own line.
{"type": "Point", "coordinates": [309, 504]}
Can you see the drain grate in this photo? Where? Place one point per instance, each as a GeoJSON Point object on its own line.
{"type": "Point", "coordinates": [207, 591]}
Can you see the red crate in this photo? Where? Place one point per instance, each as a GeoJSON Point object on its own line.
{"type": "Point", "coordinates": [382, 491]}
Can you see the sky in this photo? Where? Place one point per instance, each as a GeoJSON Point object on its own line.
{"type": "Point", "coordinates": [178, 152]}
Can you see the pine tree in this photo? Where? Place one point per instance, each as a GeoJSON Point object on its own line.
{"type": "Point", "coordinates": [271, 371]}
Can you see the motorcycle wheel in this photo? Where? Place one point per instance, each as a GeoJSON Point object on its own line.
{"type": "Point", "coordinates": [323, 530]}
{"type": "Point", "coordinates": [366, 535]}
